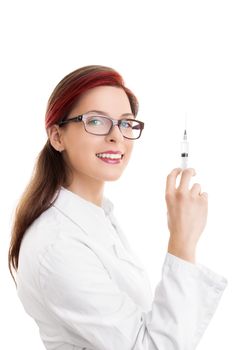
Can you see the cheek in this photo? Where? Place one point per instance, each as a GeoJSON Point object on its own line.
{"type": "Point", "coordinates": [80, 151]}
{"type": "Point", "coordinates": [129, 149]}
{"type": "Point", "coordinates": [127, 156]}
{"type": "Point", "coordinates": [80, 155]}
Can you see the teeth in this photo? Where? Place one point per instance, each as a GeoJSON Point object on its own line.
{"type": "Point", "coordinates": [107, 155]}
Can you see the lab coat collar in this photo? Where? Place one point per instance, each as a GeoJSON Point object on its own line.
{"type": "Point", "coordinates": [91, 218]}
{"type": "Point", "coordinates": [85, 214]}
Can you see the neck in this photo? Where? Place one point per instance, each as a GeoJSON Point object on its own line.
{"type": "Point", "coordinates": [89, 189]}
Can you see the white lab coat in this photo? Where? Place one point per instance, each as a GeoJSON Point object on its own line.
{"type": "Point", "coordinates": [86, 289]}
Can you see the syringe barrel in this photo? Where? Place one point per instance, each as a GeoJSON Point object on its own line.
{"type": "Point", "coordinates": [184, 147]}
{"type": "Point", "coordinates": [184, 154]}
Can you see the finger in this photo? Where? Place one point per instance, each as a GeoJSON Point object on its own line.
{"type": "Point", "coordinates": [171, 180]}
{"type": "Point", "coordinates": [195, 190]}
{"type": "Point", "coordinates": [204, 195]}
{"type": "Point", "coordinates": [185, 178]}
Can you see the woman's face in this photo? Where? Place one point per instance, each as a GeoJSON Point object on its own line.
{"type": "Point", "coordinates": [80, 148]}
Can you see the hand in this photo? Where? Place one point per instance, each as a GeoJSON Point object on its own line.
{"type": "Point", "coordinates": [186, 212]}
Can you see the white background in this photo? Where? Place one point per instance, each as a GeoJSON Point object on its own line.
{"type": "Point", "coordinates": [177, 57]}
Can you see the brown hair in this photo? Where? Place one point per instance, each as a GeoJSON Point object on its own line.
{"type": "Point", "coordinates": [51, 171]}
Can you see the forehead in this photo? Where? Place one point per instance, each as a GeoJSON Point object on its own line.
{"type": "Point", "coordinates": [110, 99]}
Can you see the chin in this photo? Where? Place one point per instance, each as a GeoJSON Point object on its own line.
{"type": "Point", "coordinates": [112, 177]}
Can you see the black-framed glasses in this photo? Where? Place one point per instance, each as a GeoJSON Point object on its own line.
{"type": "Point", "coordinates": [101, 125]}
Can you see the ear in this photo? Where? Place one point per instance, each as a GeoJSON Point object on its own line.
{"type": "Point", "coordinates": [55, 138]}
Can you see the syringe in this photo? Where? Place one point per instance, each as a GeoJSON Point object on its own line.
{"type": "Point", "coordinates": [184, 148]}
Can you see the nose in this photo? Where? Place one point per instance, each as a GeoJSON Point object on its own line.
{"type": "Point", "coordinates": [115, 134]}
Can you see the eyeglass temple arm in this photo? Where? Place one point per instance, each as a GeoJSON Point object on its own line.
{"type": "Point", "coordinates": [76, 119]}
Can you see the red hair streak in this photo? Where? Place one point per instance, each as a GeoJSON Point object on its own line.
{"type": "Point", "coordinates": [67, 92]}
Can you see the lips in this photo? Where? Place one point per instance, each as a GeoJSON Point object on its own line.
{"type": "Point", "coordinates": [110, 157]}
{"type": "Point", "coordinates": [110, 154]}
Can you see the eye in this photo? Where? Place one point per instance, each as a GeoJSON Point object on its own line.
{"type": "Point", "coordinates": [95, 121]}
{"type": "Point", "coordinates": [126, 124]}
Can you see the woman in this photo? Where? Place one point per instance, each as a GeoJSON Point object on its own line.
{"type": "Point", "coordinates": [76, 274]}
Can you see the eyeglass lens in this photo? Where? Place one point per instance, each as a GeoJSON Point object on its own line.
{"type": "Point", "coordinates": [101, 125]}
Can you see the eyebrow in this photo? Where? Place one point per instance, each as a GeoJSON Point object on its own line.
{"type": "Point", "coordinates": [106, 114]}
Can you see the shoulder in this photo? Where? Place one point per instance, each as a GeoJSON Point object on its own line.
{"type": "Point", "coordinates": [43, 230]}
{"type": "Point", "coordinates": [46, 231]}
{"type": "Point", "coordinates": [64, 235]}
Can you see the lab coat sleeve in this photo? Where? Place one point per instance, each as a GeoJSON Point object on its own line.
{"type": "Point", "coordinates": [81, 296]}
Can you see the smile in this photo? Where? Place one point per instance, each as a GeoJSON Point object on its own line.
{"type": "Point", "coordinates": [109, 156]}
